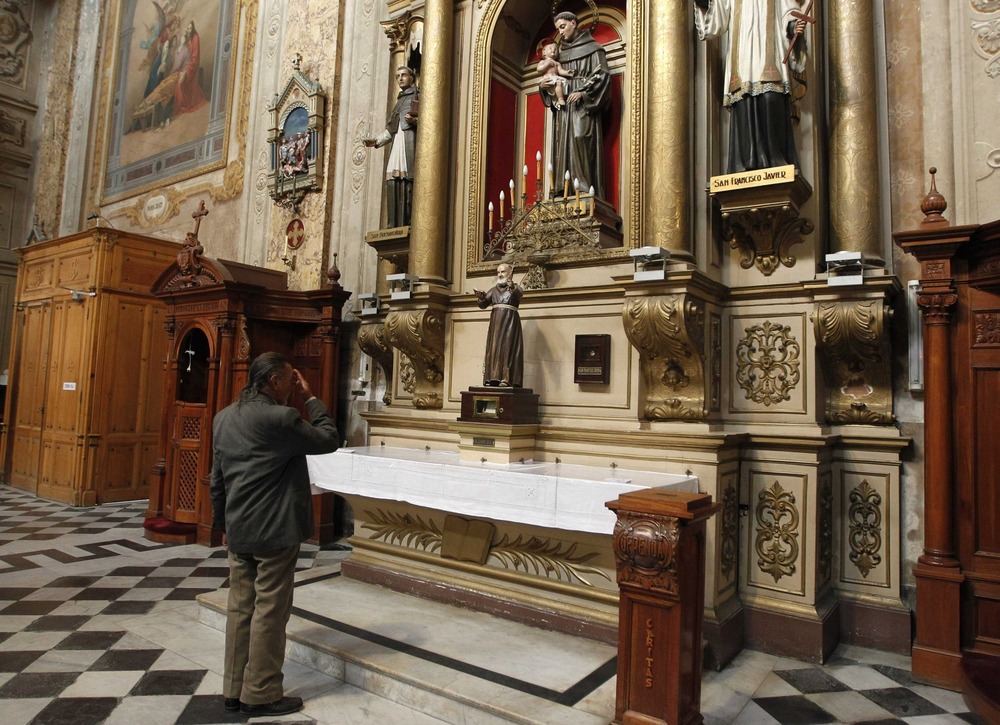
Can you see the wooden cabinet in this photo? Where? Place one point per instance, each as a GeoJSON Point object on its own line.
{"type": "Point", "coordinates": [958, 575]}
{"type": "Point", "coordinates": [82, 417]}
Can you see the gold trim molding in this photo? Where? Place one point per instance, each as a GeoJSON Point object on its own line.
{"type": "Point", "coordinates": [669, 333]}
{"type": "Point", "coordinates": [777, 541]}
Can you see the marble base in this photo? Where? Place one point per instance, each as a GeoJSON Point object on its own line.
{"type": "Point", "coordinates": [459, 666]}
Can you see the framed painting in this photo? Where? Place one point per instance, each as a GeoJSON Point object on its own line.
{"type": "Point", "coordinates": [172, 93]}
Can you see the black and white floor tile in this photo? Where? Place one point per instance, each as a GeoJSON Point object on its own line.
{"type": "Point", "coordinates": [99, 625]}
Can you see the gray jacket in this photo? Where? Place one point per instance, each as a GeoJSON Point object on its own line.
{"type": "Point", "coordinates": [260, 483]}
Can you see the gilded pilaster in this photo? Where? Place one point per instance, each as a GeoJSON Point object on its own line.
{"type": "Point", "coordinates": [666, 203]}
{"type": "Point", "coordinates": [855, 208]}
{"type": "Point", "coordinates": [429, 226]}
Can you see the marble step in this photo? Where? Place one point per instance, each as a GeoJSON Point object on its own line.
{"type": "Point", "coordinates": [460, 666]}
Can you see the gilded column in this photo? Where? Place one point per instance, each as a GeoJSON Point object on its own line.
{"type": "Point", "coordinates": [429, 225]}
{"type": "Point", "coordinates": [666, 193]}
{"type": "Point", "coordinates": [855, 206]}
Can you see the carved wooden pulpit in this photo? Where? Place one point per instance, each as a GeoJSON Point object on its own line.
{"type": "Point", "coordinates": [659, 544]}
{"type": "Point", "coordinates": [221, 315]}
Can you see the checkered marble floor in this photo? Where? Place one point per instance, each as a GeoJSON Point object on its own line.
{"type": "Point", "coordinates": [97, 624]}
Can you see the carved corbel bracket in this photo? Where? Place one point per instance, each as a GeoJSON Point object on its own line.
{"type": "Point", "coordinates": [373, 342]}
{"type": "Point", "coordinates": [852, 340]}
{"type": "Point", "coordinates": [669, 333]}
{"type": "Point", "coordinates": [419, 334]}
{"type": "Point", "coordinates": [763, 222]}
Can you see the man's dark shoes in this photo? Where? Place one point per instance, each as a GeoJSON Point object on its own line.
{"type": "Point", "coordinates": [284, 706]}
{"type": "Point", "coordinates": [232, 704]}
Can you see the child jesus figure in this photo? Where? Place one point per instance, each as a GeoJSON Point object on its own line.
{"type": "Point", "coordinates": [550, 66]}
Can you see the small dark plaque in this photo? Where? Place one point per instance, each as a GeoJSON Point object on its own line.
{"type": "Point", "coordinates": [592, 361]}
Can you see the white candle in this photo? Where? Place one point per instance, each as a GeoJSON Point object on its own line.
{"type": "Point", "coordinates": [538, 164]}
{"type": "Point", "coordinates": [566, 184]}
{"type": "Point", "coordinates": [491, 215]}
{"type": "Point", "coordinates": [501, 205]}
{"type": "Point", "coordinates": [592, 201]}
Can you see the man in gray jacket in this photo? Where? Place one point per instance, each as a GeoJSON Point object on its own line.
{"type": "Point", "coordinates": [262, 502]}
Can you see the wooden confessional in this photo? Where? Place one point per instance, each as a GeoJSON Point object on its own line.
{"type": "Point", "coordinates": [83, 409]}
{"type": "Point", "coordinates": [220, 315]}
{"type": "Point", "coordinates": [957, 641]}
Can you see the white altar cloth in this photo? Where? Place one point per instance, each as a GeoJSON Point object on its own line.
{"type": "Point", "coordinates": [554, 495]}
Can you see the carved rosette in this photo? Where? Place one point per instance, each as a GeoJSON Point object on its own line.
{"type": "Point", "coordinates": [853, 345]}
{"type": "Point", "coordinates": [987, 328]}
{"type": "Point", "coordinates": [865, 521]}
{"type": "Point", "coordinates": [646, 548]}
{"type": "Point", "coordinates": [669, 333]}
{"type": "Point", "coordinates": [419, 334]}
{"type": "Point", "coordinates": [764, 236]}
{"type": "Point", "coordinates": [373, 342]}
{"type": "Point", "coordinates": [767, 363]}
{"type": "Point", "coordinates": [777, 539]}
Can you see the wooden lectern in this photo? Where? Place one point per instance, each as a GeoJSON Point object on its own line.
{"type": "Point", "coordinates": [659, 545]}
{"type": "Point", "coordinates": [220, 315]}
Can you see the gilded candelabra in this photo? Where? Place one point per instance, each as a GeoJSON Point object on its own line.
{"type": "Point", "coordinates": [542, 226]}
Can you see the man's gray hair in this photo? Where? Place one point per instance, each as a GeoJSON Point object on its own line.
{"type": "Point", "coordinates": [566, 15]}
{"type": "Point", "coordinates": [259, 376]}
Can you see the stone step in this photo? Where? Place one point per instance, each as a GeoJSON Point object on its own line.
{"type": "Point", "coordinates": [459, 666]}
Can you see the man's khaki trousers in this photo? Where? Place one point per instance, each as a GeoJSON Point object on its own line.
{"type": "Point", "coordinates": [260, 603]}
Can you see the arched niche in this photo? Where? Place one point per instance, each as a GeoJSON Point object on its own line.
{"type": "Point", "coordinates": [192, 367]}
{"type": "Point", "coordinates": [511, 123]}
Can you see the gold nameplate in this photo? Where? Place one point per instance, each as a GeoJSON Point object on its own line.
{"type": "Point", "coordinates": [383, 234]}
{"type": "Point", "coordinates": [747, 179]}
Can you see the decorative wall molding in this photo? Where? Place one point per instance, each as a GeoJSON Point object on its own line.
{"type": "Point", "coordinates": [865, 522]}
{"type": "Point", "coordinates": [730, 531]}
{"type": "Point", "coordinates": [777, 532]}
{"type": "Point", "coordinates": [768, 359]}
{"type": "Point", "coordinates": [15, 41]}
{"type": "Point", "coordinates": [987, 328]}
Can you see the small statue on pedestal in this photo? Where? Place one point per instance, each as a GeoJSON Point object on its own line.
{"type": "Point", "coordinates": [504, 361]}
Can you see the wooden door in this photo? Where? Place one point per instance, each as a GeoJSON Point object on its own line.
{"type": "Point", "coordinates": [187, 461]}
{"type": "Point", "coordinates": [30, 390]}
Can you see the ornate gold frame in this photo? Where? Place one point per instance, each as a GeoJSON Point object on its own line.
{"type": "Point", "coordinates": [632, 108]}
{"type": "Point", "coordinates": [244, 31]}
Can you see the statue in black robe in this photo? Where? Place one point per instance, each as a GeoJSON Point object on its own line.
{"type": "Point", "coordinates": [401, 131]}
{"type": "Point", "coordinates": [578, 126]}
{"type": "Point", "coordinates": [504, 361]}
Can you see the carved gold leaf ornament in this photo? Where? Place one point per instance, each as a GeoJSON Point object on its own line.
{"type": "Point", "coordinates": [776, 543]}
{"type": "Point", "coordinates": [668, 331]}
{"type": "Point", "coordinates": [550, 559]}
{"type": "Point", "coordinates": [531, 555]}
{"type": "Point", "coordinates": [854, 351]}
{"type": "Point", "coordinates": [420, 335]}
{"type": "Point", "coordinates": [372, 341]}
{"type": "Point", "coordinates": [865, 517]}
{"type": "Point", "coordinates": [768, 362]}
{"type": "Point", "coordinates": [404, 529]}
